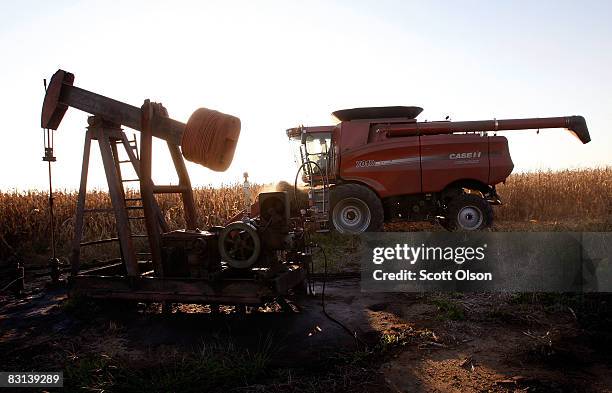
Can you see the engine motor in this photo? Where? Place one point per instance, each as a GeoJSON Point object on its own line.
{"type": "Point", "coordinates": [187, 253]}
{"type": "Point", "coordinates": [260, 244]}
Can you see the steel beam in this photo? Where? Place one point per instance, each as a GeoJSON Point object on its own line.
{"type": "Point", "coordinates": [75, 257]}
{"type": "Point", "coordinates": [184, 290]}
{"type": "Point", "coordinates": [146, 188]}
{"type": "Point", "coordinates": [119, 112]}
{"type": "Point", "coordinates": [118, 200]}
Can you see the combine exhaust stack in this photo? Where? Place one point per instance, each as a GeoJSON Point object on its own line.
{"type": "Point", "coordinates": [575, 124]}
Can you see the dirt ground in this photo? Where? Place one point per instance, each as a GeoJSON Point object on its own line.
{"type": "Point", "coordinates": [405, 343]}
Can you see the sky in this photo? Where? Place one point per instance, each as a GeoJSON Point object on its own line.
{"type": "Point", "coordinates": [279, 64]}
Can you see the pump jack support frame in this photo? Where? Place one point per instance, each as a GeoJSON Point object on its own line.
{"type": "Point", "coordinates": [143, 280]}
{"type": "Point", "coordinates": [109, 135]}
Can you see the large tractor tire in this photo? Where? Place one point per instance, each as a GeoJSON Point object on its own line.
{"type": "Point", "coordinates": [355, 209]}
{"type": "Point", "coordinates": [467, 212]}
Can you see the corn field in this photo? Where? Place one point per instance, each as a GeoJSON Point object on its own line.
{"type": "Point", "coordinates": [572, 195]}
{"type": "Point", "coordinates": [582, 194]}
{"type": "Point", "coordinates": [24, 225]}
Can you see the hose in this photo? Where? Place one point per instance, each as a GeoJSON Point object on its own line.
{"type": "Point", "coordinates": [310, 281]}
{"type": "Point", "coordinates": [210, 138]}
{"type": "Point", "coordinates": [325, 181]}
{"type": "Point", "coordinates": [337, 322]}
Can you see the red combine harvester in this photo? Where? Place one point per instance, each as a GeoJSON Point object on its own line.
{"type": "Point", "coordinates": [379, 164]}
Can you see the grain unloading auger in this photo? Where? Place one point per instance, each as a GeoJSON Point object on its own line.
{"type": "Point", "coordinates": [250, 261]}
{"type": "Point", "coordinates": [379, 164]}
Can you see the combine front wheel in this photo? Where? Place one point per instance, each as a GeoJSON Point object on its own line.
{"type": "Point", "coordinates": [355, 209]}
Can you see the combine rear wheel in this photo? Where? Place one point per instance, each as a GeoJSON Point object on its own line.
{"type": "Point", "coordinates": [355, 209]}
{"type": "Point", "coordinates": [467, 212]}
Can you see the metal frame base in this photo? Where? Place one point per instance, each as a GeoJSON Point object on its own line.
{"type": "Point", "coordinates": [183, 290]}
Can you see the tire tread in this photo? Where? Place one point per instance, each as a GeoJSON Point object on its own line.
{"type": "Point", "coordinates": [362, 192]}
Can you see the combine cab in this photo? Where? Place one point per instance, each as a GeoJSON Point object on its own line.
{"type": "Point", "coordinates": [380, 164]}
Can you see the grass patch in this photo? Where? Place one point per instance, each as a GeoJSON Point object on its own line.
{"type": "Point", "coordinates": [554, 302]}
{"type": "Point", "coordinates": [213, 367]}
{"type": "Point", "coordinates": [81, 307]}
{"type": "Point", "coordinates": [449, 309]}
{"type": "Point", "coordinates": [347, 371]}
{"type": "Point", "coordinates": [500, 314]}
{"type": "Point", "coordinates": [394, 340]}
{"type": "Point", "coordinates": [85, 308]}
{"type": "Point", "coordinates": [340, 250]}
{"type": "Point", "coordinates": [591, 310]}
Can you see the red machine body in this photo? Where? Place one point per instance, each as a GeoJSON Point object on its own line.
{"type": "Point", "coordinates": [393, 166]}
{"type": "Point", "coordinates": [413, 168]}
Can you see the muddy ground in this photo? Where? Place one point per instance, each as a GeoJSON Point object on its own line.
{"type": "Point", "coordinates": [405, 343]}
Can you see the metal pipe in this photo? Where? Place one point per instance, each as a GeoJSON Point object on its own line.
{"type": "Point", "coordinates": [575, 124]}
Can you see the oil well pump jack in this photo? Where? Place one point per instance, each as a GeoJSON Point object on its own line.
{"type": "Point", "coordinates": [249, 261]}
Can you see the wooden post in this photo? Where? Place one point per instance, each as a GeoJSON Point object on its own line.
{"type": "Point", "coordinates": [191, 218]}
{"type": "Point", "coordinates": [146, 188]}
{"type": "Point", "coordinates": [117, 198]}
{"type": "Point", "coordinates": [136, 165]}
{"type": "Point", "coordinates": [113, 146]}
{"type": "Point", "coordinates": [75, 257]}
